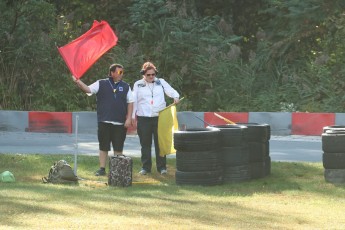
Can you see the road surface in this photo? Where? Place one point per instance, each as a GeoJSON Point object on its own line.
{"type": "Point", "coordinates": [282, 148]}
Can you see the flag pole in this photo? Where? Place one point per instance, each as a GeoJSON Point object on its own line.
{"type": "Point", "coordinates": [76, 144]}
{"type": "Point", "coordinates": [224, 119]}
{"type": "Point", "coordinates": [171, 105]}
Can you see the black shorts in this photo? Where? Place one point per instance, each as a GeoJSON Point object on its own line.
{"type": "Point", "coordinates": [109, 133]}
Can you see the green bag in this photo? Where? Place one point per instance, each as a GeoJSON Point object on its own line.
{"type": "Point", "coordinates": [7, 176]}
{"type": "Point", "coordinates": [61, 173]}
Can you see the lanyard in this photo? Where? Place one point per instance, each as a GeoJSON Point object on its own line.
{"type": "Point", "coordinates": [151, 89]}
{"type": "Point", "coordinates": [114, 89]}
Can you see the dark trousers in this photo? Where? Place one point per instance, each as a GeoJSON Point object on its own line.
{"type": "Point", "coordinates": [146, 128]}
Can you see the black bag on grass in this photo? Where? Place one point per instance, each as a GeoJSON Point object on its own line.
{"type": "Point", "coordinates": [61, 173]}
{"type": "Point", "coordinates": [120, 171]}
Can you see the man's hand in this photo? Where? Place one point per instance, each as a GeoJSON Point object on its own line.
{"type": "Point", "coordinates": [128, 122]}
{"type": "Point", "coordinates": [134, 122]}
{"type": "Point", "coordinates": [176, 100]}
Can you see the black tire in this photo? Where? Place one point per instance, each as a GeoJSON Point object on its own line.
{"type": "Point", "coordinates": [257, 170]}
{"type": "Point", "coordinates": [335, 131]}
{"type": "Point", "coordinates": [334, 127]}
{"type": "Point", "coordinates": [236, 174]}
{"type": "Point", "coordinates": [333, 142]}
{"type": "Point", "coordinates": [199, 178]}
{"type": "Point", "coordinates": [335, 176]}
{"type": "Point", "coordinates": [202, 139]}
{"type": "Point", "coordinates": [231, 135]}
{"type": "Point", "coordinates": [333, 160]}
{"type": "Point", "coordinates": [257, 132]}
{"type": "Point", "coordinates": [267, 168]}
{"type": "Point", "coordinates": [257, 151]}
{"type": "Point", "coordinates": [235, 156]}
{"type": "Point", "coordinates": [198, 161]}
{"type": "Point", "coordinates": [267, 148]}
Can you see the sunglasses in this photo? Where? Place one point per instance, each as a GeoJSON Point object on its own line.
{"type": "Point", "coordinates": [152, 74]}
{"type": "Point", "coordinates": [120, 72]}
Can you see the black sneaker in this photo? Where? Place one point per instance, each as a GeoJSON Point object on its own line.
{"type": "Point", "coordinates": [100, 172]}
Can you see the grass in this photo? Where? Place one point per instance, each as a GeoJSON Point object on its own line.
{"type": "Point", "coordinates": [294, 196]}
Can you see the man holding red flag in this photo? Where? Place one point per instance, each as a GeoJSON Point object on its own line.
{"type": "Point", "coordinates": [114, 96]}
{"type": "Point", "coordinates": [114, 111]}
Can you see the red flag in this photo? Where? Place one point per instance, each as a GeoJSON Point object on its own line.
{"type": "Point", "coordinates": [83, 52]}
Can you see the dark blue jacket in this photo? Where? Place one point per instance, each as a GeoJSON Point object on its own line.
{"type": "Point", "coordinates": [112, 106]}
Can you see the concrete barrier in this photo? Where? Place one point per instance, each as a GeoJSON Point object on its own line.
{"type": "Point", "coordinates": [13, 121]}
{"type": "Point", "coordinates": [49, 122]}
{"type": "Point", "coordinates": [340, 118]}
{"type": "Point", "coordinates": [311, 123]}
{"type": "Point", "coordinates": [212, 119]}
{"type": "Point", "coordinates": [281, 123]}
{"type": "Point", "coordinates": [191, 119]}
{"type": "Point", "coordinates": [87, 122]}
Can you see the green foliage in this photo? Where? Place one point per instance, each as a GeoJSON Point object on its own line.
{"type": "Point", "coordinates": [180, 46]}
{"type": "Point", "coordinates": [25, 56]}
{"type": "Point", "coordinates": [238, 55]}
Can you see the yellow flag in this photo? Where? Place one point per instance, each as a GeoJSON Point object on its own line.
{"type": "Point", "coordinates": [167, 124]}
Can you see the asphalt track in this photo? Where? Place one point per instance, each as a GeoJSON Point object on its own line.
{"type": "Point", "coordinates": [282, 148]}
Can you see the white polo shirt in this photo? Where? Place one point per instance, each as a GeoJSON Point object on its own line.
{"type": "Point", "coordinates": [149, 97]}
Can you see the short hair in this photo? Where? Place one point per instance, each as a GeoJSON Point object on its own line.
{"type": "Point", "coordinates": [113, 67]}
{"type": "Point", "coordinates": [147, 66]}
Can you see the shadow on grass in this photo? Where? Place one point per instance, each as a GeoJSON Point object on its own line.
{"type": "Point", "coordinates": [187, 204]}
{"type": "Point", "coordinates": [153, 189]}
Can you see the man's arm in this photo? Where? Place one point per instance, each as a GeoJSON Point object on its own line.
{"type": "Point", "coordinates": [128, 122]}
{"type": "Point", "coordinates": [81, 85]}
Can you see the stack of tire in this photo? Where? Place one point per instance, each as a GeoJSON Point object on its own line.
{"type": "Point", "coordinates": [234, 153]}
{"type": "Point", "coordinates": [257, 137]}
{"type": "Point", "coordinates": [333, 158]}
{"type": "Point", "coordinates": [198, 159]}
